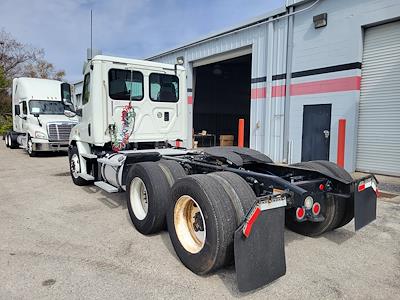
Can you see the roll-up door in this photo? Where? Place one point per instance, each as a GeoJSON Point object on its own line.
{"type": "Point", "coordinates": [378, 148]}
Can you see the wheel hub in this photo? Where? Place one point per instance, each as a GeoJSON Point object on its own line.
{"type": "Point", "coordinates": [75, 167]}
{"type": "Point", "coordinates": [139, 198]}
{"type": "Point", "coordinates": [189, 223]}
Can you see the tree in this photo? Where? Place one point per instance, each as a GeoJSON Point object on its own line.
{"type": "Point", "coordinates": [18, 59]}
{"type": "Point", "coordinates": [43, 69]}
{"type": "Point", "coordinates": [5, 99]}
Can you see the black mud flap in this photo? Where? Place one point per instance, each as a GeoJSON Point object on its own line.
{"type": "Point", "coordinates": [260, 258]}
{"type": "Point", "coordinates": [364, 202]}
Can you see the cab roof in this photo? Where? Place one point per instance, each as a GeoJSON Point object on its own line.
{"type": "Point", "coordinates": [131, 61]}
{"type": "Point", "coordinates": [38, 89]}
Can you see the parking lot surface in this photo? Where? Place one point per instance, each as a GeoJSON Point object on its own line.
{"type": "Point", "coordinates": [60, 241]}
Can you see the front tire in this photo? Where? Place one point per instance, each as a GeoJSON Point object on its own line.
{"type": "Point", "coordinates": [29, 147]}
{"type": "Point", "coordinates": [75, 167]}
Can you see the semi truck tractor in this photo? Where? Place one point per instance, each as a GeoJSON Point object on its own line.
{"type": "Point", "coordinates": [39, 123]}
{"type": "Point", "coordinates": [220, 205]}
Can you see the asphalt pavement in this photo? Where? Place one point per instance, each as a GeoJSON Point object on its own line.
{"type": "Point", "coordinates": [61, 241]}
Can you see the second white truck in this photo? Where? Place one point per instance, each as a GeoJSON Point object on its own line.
{"type": "Point", "coordinates": [39, 123]}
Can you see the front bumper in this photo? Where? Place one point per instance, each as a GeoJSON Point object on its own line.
{"type": "Point", "coordinates": [44, 145]}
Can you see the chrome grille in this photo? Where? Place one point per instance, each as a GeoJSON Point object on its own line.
{"type": "Point", "coordinates": [59, 131]}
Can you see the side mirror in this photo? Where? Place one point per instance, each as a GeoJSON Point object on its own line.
{"type": "Point", "coordinates": [66, 94]}
{"type": "Point", "coordinates": [69, 114]}
{"type": "Point", "coordinates": [17, 110]}
{"type": "Point", "coordinates": [35, 112]}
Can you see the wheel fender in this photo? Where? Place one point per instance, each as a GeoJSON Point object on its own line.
{"type": "Point", "coordinates": [82, 148]}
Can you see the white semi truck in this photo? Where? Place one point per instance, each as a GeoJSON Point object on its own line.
{"type": "Point", "coordinates": [220, 204]}
{"type": "Point", "coordinates": [39, 123]}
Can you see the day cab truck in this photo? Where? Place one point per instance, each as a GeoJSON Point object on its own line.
{"type": "Point", "coordinates": [39, 123]}
{"type": "Point", "coordinates": [220, 205]}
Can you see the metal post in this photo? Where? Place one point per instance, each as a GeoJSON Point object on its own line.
{"type": "Point", "coordinates": [289, 56]}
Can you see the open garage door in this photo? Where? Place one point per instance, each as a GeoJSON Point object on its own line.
{"type": "Point", "coordinates": [222, 97]}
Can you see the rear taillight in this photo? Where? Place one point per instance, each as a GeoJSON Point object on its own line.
{"type": "Point", "coordinates": [300, 213]}
{"type": "Point", "coordinates": [316, 208]}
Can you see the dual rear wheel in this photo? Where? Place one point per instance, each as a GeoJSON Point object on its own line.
{"type": "Point", "coordinates": [202, 211]}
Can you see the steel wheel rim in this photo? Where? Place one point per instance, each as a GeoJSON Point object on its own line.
{"type": "Point", "coordinates": [139, 198]}
{"type": "Point", "coordinates": [75, 167]}
{"type": "Point", "coordinates": [29, 146]}
{"type": "Point", "coordinates": [187, 216]}
{"type": "Point", "coordinates": [7, 140]}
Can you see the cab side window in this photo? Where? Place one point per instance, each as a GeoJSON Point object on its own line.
{"type": "Point", "coordinates": [24, 108]}
{"type": "Point", "coordinates": [86, 89]}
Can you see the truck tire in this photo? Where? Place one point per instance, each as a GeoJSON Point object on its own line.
{"type": "Point", "coordinates": [332, 211]}
{"type": "Point", "coordinates": [201, 223]}
{"type": "Point", "coordinates": [172, 170]}
{"type": "Point", "coordinates": [336, 211]}
{"type": "Point", "coordinates": [13, 140]}
{"type": "Point", "coordinates": [7, 139]}
{"type": "Point", "coordinates": [148, 195]}
{"type": "Point", "coordinates": [239, 191]}
{"type": "Point", "coordinates": [29, 147]}
{"type": "Point", "coordinates": [347, 205]}
{"type": "Point", "coordinates": [75, 167]}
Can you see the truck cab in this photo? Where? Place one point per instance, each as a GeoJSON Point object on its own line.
{"type": "Point", "coordinates": [39, 123]}
{"type": "Point", "coordinates": [154, 92]}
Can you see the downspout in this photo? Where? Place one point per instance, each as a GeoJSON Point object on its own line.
{"type": "Point", "coordinates": [289, 57]}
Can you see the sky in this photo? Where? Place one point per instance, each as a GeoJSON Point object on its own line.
{"type": "Point", "coordinates": [127, 28]}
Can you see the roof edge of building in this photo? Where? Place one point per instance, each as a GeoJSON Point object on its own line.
{"type": "Point", "coordinates": [276, 12]}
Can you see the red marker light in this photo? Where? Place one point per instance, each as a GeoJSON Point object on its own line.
{"type": "Point", "coordinates": [178, 143]}
{"type": "Point", "coordinates": [316, 208]}
{"type": "Point", "coordinates": [361, 186]}
{"type": "Point", "coordinates": [249, 223]}
{"type": "Point", "coordinates": [321, 187]}
{"type": "Point", "coordinates": [300, 213]}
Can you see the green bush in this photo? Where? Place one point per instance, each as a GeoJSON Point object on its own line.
{"type": "Point", "coordinates": [5, 123]}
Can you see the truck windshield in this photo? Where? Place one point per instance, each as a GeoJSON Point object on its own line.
{"type": "Point", "coordinates": [47, 107]}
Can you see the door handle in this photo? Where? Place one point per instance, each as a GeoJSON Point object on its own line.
{"type": "Point", "coordinates": [326, 133]}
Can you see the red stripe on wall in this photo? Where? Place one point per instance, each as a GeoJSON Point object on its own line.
{"type": "Point", "coordinates": [326, 86]}
{"type": "Point", "coordinates": [314, 87]}
{"type": "Point", "coordinates": [258, 93]}
{"type": "Point", "coordinates": [278, 91]}
{"type": "Point", "coordinates": [190, 100]}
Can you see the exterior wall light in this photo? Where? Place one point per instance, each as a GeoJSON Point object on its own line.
{"type": "Point", "coordinates": [180, 60]}
{"type": "Point", "coordinates": [320, 20]}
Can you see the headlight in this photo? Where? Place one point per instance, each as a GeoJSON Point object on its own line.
{"type": "Point", "coordinates": [40, 135]}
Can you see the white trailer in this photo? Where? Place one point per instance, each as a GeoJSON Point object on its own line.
{"type": "Point", "coordinates": [39, 123]}
{"type": "Point", "coordinates": [220, 204]}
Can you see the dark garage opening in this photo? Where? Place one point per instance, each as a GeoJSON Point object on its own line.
{"type": "Point", "coordinates": [222, 97]}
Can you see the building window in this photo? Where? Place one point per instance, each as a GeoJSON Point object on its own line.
{"type": "Point", "coordinates": [164, 88]}
{"type": "Point", "coordinates": [86, 89]}
{"type": "Point", "coordinates": [125, 85]}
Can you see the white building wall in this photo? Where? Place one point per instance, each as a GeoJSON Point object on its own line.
{"type": "Point", "coordinates": [340, 42]}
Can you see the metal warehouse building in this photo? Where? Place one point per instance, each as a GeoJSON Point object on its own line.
{"type": "Point", "coordinates": [309, 79]}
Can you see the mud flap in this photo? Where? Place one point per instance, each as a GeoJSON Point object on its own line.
{"type": "Point", "coordinates": [260, 258]}
{"type": "Point", "coordinates": [364, 203]}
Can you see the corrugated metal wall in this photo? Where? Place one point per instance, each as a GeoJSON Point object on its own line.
{"type": "Point", "coordinates": [318, 57]}
{"type": "Point", "coordinates": [268, 47]}
{"type": "Point", "coordinates": [378, 147]}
